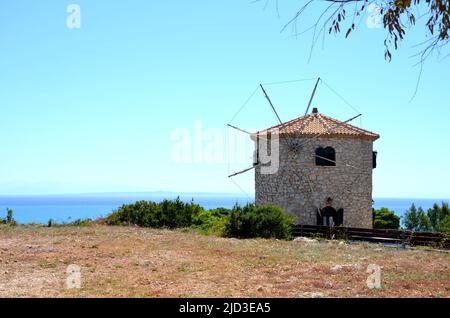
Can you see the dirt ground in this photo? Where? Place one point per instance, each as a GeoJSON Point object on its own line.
{"type": "Point", "coordinates": [136, 262]}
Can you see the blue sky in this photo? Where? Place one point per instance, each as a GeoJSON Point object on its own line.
{"type": "Point", "coordinates": [93, 109]}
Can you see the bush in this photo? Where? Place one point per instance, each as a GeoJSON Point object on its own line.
{"type": "Point", "coordinates": [171, 214]}
{"type": "Point", "coordinates": [141, 213]}
{"type": "Point", "coordinates": [415, 219]}
{"type": "Point", "coordinates": [240, 222]}
{"type": "Point", "coordinates": [264, 221]}
{"type": "Point", "coordinates": [437, 219]}
{"type": "Point", "coordinates": [82, 222]}
{"type": "Point", "coordinates": [212, 221]}
{"type": "Point", "coordinates": [444, 225]}
{"type": "Point", "coordinates": [385, 219]}
{"type": "Point", "coordinates": [9, 218]}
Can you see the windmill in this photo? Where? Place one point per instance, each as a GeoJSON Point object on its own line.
{"type": "Point", "coordinates": [296, 146]}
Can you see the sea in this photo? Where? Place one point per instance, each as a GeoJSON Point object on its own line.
{"type": "Point", "coordinates": [67, 208]}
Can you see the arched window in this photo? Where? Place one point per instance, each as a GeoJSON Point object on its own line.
{"type": "Point", "coordinates": [325, 156]}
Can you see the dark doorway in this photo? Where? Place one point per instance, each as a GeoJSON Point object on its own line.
{"type": "Point", "coordinates": [330, 217]}
{"type": "Point", "coordinates": [339, 217]}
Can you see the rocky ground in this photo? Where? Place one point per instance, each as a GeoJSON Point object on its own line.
{"type": "Point", "coordinates": [136, 262]}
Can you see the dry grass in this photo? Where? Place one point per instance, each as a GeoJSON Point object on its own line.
{"type": "Point", "coordinates": [136, 262]}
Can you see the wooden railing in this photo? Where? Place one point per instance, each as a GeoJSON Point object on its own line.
{"type": "Point", "coordinates": [436, 240]}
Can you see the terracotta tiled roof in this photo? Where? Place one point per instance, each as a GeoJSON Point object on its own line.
{"type": "Point", "coordinates": [319, 124]}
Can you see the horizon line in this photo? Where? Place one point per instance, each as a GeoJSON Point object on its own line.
{"type": "Point", "coordinates": [181, 193]}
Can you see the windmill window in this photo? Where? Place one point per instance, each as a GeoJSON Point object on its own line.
{"type": "Point", "coordinates": [325, 156]}
{"type": "Point", "coordinates": [374, 159]}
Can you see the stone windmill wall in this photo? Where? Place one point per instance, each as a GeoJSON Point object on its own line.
{"type": "Point", "coordinates": [300, 186]}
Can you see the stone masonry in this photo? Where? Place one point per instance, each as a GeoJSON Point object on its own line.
{"type": "Point", "coordinates": [300, 186]}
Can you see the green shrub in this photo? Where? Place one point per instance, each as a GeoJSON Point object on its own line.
{"type": "Point", "coordinates": [444, 225]}
{"type": "Point", "coordinates": [264, 221]}
{"type": "Point", "coordinates": [80, 222]}
{"type": "Point", "coordinates": [171, 214]}
{"type": "Point", "coordinates": [386, 219]}
{"type": "Point", "coordinates": [437, 219]}
{"type": "Point", "coordinates": [176, 213]}
{"type": "Point", "coordinates": [9, 218]}
{"type": "Point", "coordinates": [240, 222]}
{"type": "Point", "coordinates": [415, 219]}
{"type": "Point", "coordinates": [212, 221]}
